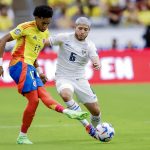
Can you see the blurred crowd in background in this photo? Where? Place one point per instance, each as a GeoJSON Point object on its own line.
{"type": "Point", "coordinates": [102, 13]}
{"type": "Point", "coordinates": [6, 15]}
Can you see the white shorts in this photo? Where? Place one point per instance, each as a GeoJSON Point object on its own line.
{"type": "Point", "coordinates": [80, 87]}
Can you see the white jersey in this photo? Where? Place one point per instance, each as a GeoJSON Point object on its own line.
{"type": "Point", "coordinates": [73, 55]}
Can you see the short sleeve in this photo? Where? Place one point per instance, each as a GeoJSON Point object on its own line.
{"type": "Point", "coordinates": [58, 39]}
{"type": "Point", "coordinates": [17, 32]}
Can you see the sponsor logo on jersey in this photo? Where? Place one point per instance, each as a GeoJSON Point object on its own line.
{"type": "Point", "coordinates": [35, 37]}
{"type": "Point", "coordinates": [67, 45]}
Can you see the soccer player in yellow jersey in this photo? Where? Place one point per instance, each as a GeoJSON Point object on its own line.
{"type": "Point", "coordinates": [24, 70]}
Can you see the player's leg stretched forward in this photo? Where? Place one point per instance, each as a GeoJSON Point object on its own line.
{"type": "Point", "coordinates": [31, 107]}
{"type": "Point", "coordinates": [66, 92]}
{"type": "Point", "coordinates": [29, 112]}
{"type": "Point", "coordinates": [53, 104]}
{"type": "Point", "coordinates": [32, 88]}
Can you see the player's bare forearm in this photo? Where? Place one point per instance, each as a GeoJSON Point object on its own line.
{"type": "Point", "coordinates": [2, 46]}
{"type": "Point", "coordinates": [36, 63]}
{"type": "Point", "coordinates": [1, 71]}
{"type": "Point", "coordinates": [43, 78]}
{"type": "Point", "coordinates": [96, 62]}
{"type": "Point", "coordinates": [3, 41]}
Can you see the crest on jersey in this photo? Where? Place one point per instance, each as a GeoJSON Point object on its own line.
{"type": "Point", "coordinates": [84, 51]}
{"type": "Point", "coordinates": [17, 31]}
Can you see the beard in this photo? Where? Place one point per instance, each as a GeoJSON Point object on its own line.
{"type": "Point", "coordinates": [80, 38]}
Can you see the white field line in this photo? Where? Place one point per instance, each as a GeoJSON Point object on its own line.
{"type": "Point", "coordinates": [38, 126]}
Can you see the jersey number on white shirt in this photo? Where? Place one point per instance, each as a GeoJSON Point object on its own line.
{"type": "Point", "coordinates": [72, 56]}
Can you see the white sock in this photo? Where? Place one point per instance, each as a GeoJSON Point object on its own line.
{"type": "Point", "coordinates": [22, 134]}
{"type": "Point", "coordinates": [95, 120]}
{"type": "Point", "coordinates": [71, 104]}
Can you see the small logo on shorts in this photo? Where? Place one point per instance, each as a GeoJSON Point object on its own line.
{"type": "Point", "coordinates": [34, 83]}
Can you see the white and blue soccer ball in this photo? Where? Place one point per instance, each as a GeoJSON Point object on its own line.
{"type": "Point", "coordinates": [105, 132]}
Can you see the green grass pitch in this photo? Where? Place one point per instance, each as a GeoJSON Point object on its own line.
{"type": "Point", "coordinates": [127, 107]}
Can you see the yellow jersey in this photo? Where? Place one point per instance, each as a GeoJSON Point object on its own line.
{"type": "Point", "coordinates": [30, 41]}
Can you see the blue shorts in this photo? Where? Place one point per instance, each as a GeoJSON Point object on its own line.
{"type": "Point", "coordinates": [25, 76]}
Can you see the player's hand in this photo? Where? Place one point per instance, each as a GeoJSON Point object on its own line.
{"type": "Point", "coordinates": [96, 66]}
{"type": "Point", "coordinates": [1, 71]}
{"type": "Point", "coordinates": [43, 78]}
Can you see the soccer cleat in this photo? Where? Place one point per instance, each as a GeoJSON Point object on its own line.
{"type": "Point", "coordinates": [23, 140]}
{"type": "Point", "coordinates": [91, 130]}
{"type": "Point", "coordinates": [79, 115]}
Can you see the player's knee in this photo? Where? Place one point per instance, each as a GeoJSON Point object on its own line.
{"type": "Point", "coordinates": [66, 95]}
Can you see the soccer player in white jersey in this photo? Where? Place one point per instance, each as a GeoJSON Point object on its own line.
{"type": "Point", "coordinates": [75, 50]}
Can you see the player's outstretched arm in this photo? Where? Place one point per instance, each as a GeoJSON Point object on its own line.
{"type": "Point", "coordinates": [96, 62]}
{"type": "Point", "coordinates": [3, 42]}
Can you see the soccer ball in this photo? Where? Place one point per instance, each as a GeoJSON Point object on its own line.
{"type": "Point", "coordinates": [105, 132]}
